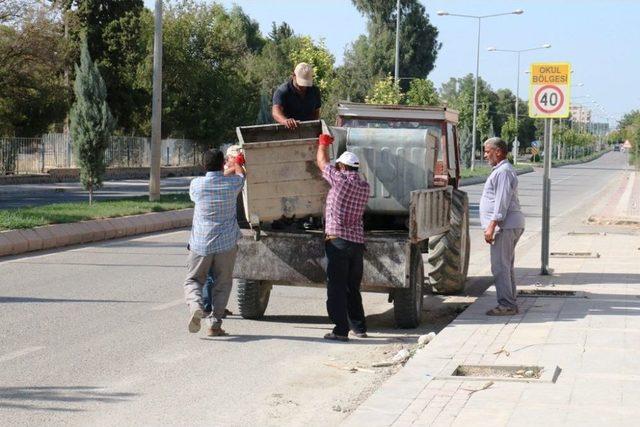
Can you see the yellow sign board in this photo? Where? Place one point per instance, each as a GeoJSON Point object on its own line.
{"type": "Point", "coordinates": [549, 86]}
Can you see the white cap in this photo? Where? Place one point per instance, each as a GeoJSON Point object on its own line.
{"type": "Point", "coordinates": [349, 159]}
{"type": "Point", "coordinates": [304, 74]}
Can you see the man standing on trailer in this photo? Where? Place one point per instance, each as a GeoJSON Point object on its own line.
{"type": "Point", "coordinates": [344, 241]}
{"type": "Point", "coordinates": [503, 224]}
{"type": "Point", "coordinates": [297, 99]}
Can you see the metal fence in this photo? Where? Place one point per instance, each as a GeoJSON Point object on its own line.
{"type": "Point", "coordinates": [55, 150]}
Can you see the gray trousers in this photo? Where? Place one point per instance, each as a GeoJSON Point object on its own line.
{"type": "Point", "coordinates": [502, 265]}
{"type": "Point", "coordinates": [221, 267]}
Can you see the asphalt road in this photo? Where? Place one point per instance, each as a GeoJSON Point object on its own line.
{"type": "Point", "coordinates": [21, 195]}
{"type": "Point", "coordinates": [97, 334]}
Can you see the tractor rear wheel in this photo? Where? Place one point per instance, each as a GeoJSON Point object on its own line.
{"type": "Point", "coordinates": [407, 302]}
{"type": "Point", "coordinates": [448, 257]}
{"type": "Point", "coordinates": [253, 298]}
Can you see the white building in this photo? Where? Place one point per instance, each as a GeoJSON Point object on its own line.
{"type": "Point", "coordinates": [580, 114]}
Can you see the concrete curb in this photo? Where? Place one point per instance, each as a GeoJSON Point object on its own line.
{"type": "Point", "coordinates": [14, 242]}
{"type": "Point", "coordinates": [481, 179]}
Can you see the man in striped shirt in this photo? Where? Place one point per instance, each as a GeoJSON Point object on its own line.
{"type": "Point", "coordinates": [344, 244]}
{"type": "Point", "coordinates": [213, 242]}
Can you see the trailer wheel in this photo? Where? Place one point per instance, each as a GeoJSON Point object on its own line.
{"type": "Point", "coordinates": [253, 298]}
{"type": "Point", "coordinates": [448, 260]}
{"type": "Point", "coordinates": [407, 302]}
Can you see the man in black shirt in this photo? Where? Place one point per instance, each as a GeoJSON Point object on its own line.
{"type": "Point", "coordinates": [297, 99]}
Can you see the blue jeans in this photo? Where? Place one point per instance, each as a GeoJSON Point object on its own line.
{"type": "Point", "coordinates": [206, 293]}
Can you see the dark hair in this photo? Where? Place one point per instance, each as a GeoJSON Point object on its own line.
{"type": "Point", "coordinates": [213, 160]}
{"type": "Point", "coordinates": [349, 168]}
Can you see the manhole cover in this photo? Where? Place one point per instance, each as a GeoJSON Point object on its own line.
{"type": "Point", "coordinates": [549, 293]}
{"type": "Point", "coordinates": [525, 373]}
{"type": "Point", "coordinates": [574, 255]}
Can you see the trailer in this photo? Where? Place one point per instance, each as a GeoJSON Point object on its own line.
{"type": "Point", "coordinates": [415, 218]}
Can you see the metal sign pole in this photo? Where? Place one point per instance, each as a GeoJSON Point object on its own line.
{"type": "Point", "coordinates": [546, 194]}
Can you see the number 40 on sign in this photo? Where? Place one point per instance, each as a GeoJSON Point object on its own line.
{"type": "Point", "coordinates": [549, 90]}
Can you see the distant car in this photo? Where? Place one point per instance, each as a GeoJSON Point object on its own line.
{"type": "Point", "coordinates": [616, 147]}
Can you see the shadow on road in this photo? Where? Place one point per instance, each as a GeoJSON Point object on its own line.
{"type": "Point", "coordinates": [10, 300]}
{"type": "Point", "coordinates": [44, 398]}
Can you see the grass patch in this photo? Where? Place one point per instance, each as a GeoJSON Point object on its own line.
{"type": "Point", "coordinates": [59, 213]}
{"type": "Point", "coordinates": [486, 171]}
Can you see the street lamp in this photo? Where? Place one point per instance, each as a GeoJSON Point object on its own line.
{"type": "Point", "coordinates": [475, 86]}
{"type": "Point", "coordinates": [518, 51]}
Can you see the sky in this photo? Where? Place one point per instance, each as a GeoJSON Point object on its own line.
{"type": "Point", "coordinates": [598, 38]}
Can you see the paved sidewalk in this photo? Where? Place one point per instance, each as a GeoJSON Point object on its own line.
{"type": "Point", "coordinates": [593, 337]}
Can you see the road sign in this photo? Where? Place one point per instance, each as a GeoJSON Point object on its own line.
{"type": "Point", "coordinates": [535, 144]}
{"type": "Point", "coordinates": [549, 90]}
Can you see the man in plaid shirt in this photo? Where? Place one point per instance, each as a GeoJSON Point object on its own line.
{"type": "Point", "coordinates": [344, 241]}
{"type": "Point", "coordinates": [213, 242]}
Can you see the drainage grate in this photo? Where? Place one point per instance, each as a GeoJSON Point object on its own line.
{"type": "Point", "coordinates": [549, 293]}
{"type": "Point", "coordinates": [521, 373]}
{"type": "Point", "coordinates": [574, 255]}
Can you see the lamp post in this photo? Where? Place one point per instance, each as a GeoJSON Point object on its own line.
{"type": "Point", "coordinates": [475, 86]}
{"type": "Point", "coordinates": [516, 143]}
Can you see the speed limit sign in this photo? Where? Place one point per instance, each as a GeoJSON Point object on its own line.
{"type": "Point", "coordinates": [549, 90]}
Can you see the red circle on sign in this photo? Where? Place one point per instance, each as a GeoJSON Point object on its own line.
{"type": "Point", "coordinates": [554, 88]}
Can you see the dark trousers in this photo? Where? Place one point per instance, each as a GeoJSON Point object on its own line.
{"type": "Point", "coordinates": [344, 274]}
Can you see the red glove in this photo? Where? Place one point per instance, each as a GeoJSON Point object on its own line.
{"type": "Point", "coordinates": [325, 140]}
{"type": "Point", "coordinates": [240, 159]}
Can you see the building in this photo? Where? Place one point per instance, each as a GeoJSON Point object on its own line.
{"type": "Point", "coordinates": [580, 114]}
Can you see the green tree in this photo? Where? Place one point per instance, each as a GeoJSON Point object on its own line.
{"type": "Point", "coordinates": [33, 95]}
{"type": "Point", "coordinates": [319, 57]}
{"type": "Point", "coordinates": [422, 92]}
{"type": "Point", "coordinates": [118, 34]}
{"type": "Point", "coordinates": [385, 91]}
{"type": "Point", "coordinates": [465, 147]}
{"type": "Point", "coordinates": [508, 131]}
{"type": "Point", "coordinates": [372, 56]}
{"type": "Point", "coordinates": [91, 122]}
{"type": "Point", "coordinates": [207, 91]}
{"type": "Point", "coordinates": [483, 126]}
{"type": "Point", "coordinates": [418, 38]}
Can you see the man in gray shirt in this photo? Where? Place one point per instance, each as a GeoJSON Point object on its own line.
{"type": "Point", "coordinates": [503, 223]}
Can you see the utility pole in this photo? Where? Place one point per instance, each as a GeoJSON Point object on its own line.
{"type": "Point", "coordinates": [397, 65]}
{"type": "Point", "coordinates": [156, 108]}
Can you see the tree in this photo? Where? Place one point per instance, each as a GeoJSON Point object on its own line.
{"type": "Point", "coordinates": [508, 131]}
{"type": "Point", "coordinates": [319, 57]}
{"type": "Point", "coordinates": [118, 35]}
{"type": "Point", "coordinates": [91, 122]}
{"type": "Point", "coordinates": [33, 95]}
{"type": "Point", "coordinates": [465, 147]}
{"type": "Point", "coordinates": [385, 91]}
{"type": "Point", "coordinates": [418, 38]}
{"type": "Point", "coordinates": [422, 92]}
{"type": "Point", "coordinates": [207, 90]}
{"type": "Point", "coordinates": [483, 125]}
{"type": "Point", "coordinates": [372, 56]}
